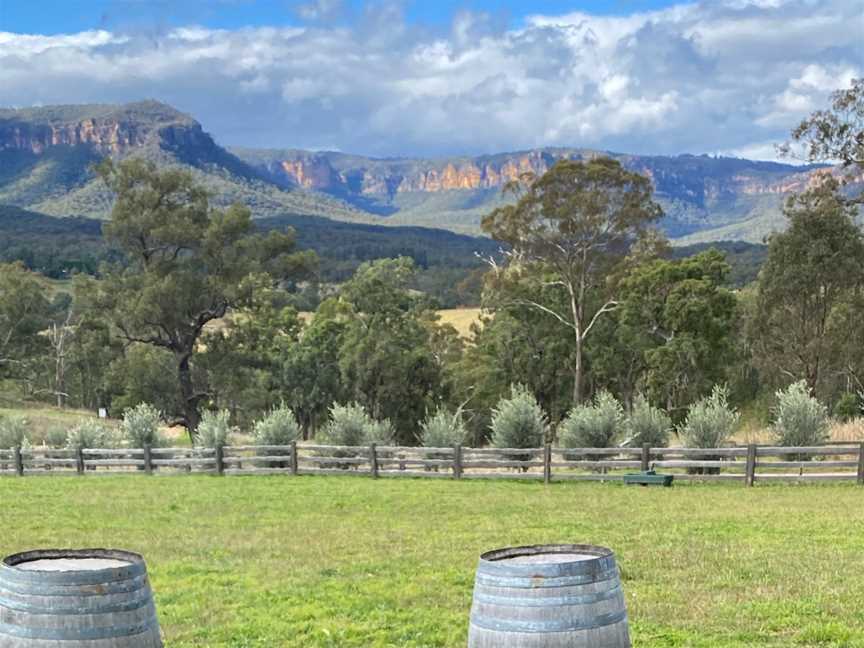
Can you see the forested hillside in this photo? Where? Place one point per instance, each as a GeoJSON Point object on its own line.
{"type": "Point", "coordinates": [47, 153]}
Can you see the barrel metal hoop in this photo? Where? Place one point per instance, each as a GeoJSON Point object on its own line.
{"type": "Point", "coordinates": [72, 578]}
{"type": "Point", "coordinates": [501, 625]}
{"type": "Point", "coordinates": [53, 610]}
{"type": "Point", "coordinates": [522, 582]}
{"type": "Point", "coordinates": [135, 567]}
{"type": "Point", "coordinates": [578, 599]}
{"type": "Point", "coordinates": [99, 589]}
{"type": "Point", "coordinates": [67, 634]}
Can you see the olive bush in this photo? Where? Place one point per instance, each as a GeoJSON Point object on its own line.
{"type": "Point", "coordinates": [214, 429]}
{"type": "Point", "coordinates": [710, 421]}
{"type": "Point", "coordinates": [351, 425]}
{"type": "Point", "coordinates": [443, 429]}
{"type": "Point", "coordinates": [140, 426]}
{"type": "Point", "coordinates": [13, 433]}
{"type": "Point", "coordinates": [519, 421]}
{"type": "Point", "coordinates": [90, 434]}
{"type": "Point", "coordinates": [800, 419]}
{"type": "Point", "coordinates": [278, 427]}
{"type": "Point", "coordinates": [647, 424]}
{"type": "Point", "coordinates": [593, 425]}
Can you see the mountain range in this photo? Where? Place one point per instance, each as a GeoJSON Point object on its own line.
{"type": "Point", "coordinates": [46, 154]}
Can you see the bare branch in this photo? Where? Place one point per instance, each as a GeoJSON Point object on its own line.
{"type": "Point", "coordinates": [608, 307]}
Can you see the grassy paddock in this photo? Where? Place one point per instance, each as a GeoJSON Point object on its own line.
{"type": "Point", "coordinates": [337, 561]}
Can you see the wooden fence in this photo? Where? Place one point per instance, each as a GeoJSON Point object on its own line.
{"type": "Point", "coordinates": [746, 464]}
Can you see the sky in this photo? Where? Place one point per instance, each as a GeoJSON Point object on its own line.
{"type": "Point", "coordinates": [446, 77]}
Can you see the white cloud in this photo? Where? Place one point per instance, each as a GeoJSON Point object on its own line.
{"type": "Point", "coordinates": [722, 75]}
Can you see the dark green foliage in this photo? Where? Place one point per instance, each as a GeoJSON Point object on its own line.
{"type": "Point", "coordinates": [188, 264]}
{"type": "Point", "coordinates": [575, 229]}
{"type": "Point", "coordinates": [242, 359]}
{"type": "Point", "coordinates": [310, 378]}
{"type": "Point", "coordinates": [54, 247]}
{"type": "Point", "coordinates": [744, 259]}
{"type": "Point", "coordinates": [24, 313]}
{"type": "Point", "coordinates": [58, 247]}
{"type": "Point", "coordinates": [386, 359]}
{"type": "Point", "coordinates": [142, 374]}
{"type": "Point", "coordinates": [848, 407]}
{"type": "Point", "coordinates": [681, 321]}
{"type": "Point", "coordinates": [806, 322]}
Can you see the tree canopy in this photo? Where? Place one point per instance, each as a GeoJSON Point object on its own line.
{"type": "Point", "coordinates": [188, 264]}
{"type": "Point", "coordinates": [573, 229]}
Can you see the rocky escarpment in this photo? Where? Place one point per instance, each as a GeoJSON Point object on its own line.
{"type": "Point", "coordinates": [105, 129]}
{"type": "Point", "coordinates": [108, 138]}
{"type": "Point", "coordinates": [699, 180]}
{"type": "Point", "coordinates": [332, 173]}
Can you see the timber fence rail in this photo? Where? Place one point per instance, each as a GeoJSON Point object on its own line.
{"type": "Point", "coordinates": [744, 464]}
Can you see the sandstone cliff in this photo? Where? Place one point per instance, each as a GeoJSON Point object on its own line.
{"type": "Point", "coordinates": [697, 179]}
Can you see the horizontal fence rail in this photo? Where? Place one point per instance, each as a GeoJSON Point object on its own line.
{"type": "Point", "coordinates": [745, 464]}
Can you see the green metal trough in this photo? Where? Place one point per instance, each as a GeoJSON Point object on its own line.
{"type": "Point", "coordinates": [648, 478]}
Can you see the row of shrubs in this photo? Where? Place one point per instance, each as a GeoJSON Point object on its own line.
{"type": "Point", "coordinates": [517, 422]}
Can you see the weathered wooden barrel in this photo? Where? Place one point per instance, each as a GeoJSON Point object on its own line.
{"type": "Point", "coordinates": [548, 596]}
{"type": "Point", "coordinates": [92, 598]}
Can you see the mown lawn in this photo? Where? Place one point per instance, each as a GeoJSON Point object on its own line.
{"type": "Point", "coordinates": [342, 561]}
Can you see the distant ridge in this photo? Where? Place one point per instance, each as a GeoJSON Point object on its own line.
{"type": "Point", "coordinates": [698, 193]}
{"type": "Point", "coordinates": [46, 155]}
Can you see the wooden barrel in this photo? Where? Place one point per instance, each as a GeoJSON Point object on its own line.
{"type": "Point", "coordinates": [92, 598]}
{"type": "Point", "coordinates": [548, 596]}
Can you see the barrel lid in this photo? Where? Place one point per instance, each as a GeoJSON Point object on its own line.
{"type": "Point", "coordinates": [72, 566]}
{"type": "Point", "coordinates": [548, 560]}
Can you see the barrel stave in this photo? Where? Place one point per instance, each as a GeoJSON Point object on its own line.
{"type": "Point", "coordinates": [77, 608]}
{"type": "Point", "coordinates": [548, 596]}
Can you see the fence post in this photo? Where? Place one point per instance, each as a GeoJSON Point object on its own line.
{"type": "Point", "coordinates": [19, 462]}
{"type": "Point", "coordinates": [457, 462]}
{"type": "Point", "coordinates": [294, 458]}
{"type": "Point", "coordinates": [373, 460]}
{"type": "Point", "coordinates": [79, 460]}
{"type": "Point", "coordinates": [861, 465]}
{"type": "Point", "coordinates": [547, 463]}
{"type": "Point", "coordinates": [220, 459]}
{"type": "Point", "coordinates": [148, 459]}
{"type": "Point", "coordinates": [750, 475]}
{"type": "Point", "coordinates": [646, 457]}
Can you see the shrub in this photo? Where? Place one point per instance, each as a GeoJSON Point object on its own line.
{"type": "Point", "coordinates": [847, 407]}
{"type": "Point", "coordinates": [647, 424]}
{"type": "Point", "coordinates": [800, 419]}
{"type": "Point", "coordinates": [351, 425]}
{"type": "Point", "coordinates": [55, 437]}
{"type": "Point", "coordinates": [710, 421]}
{"type": "Point", "coordinates": [214, 429]}
{"type": "Point", "coordinates": [13, 433]}
{"type": "Point", "coordinates": [90, 434]}
{"type": "Point", "coordinates": [594, 425]}
{"type": "Point", "coordinates": [518, 421]}
{"type": "Point", "coordinates": [278, 427]}
{"type": "Point", "coordinates": [444, 429]}
{"type": "Point", "coordinates": [140, 426]}
{"type": "Point", "coordinates": [379, 432]}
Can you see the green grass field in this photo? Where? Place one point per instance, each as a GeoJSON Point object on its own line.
{"type": "Point", "coordinates": [342, 561]}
